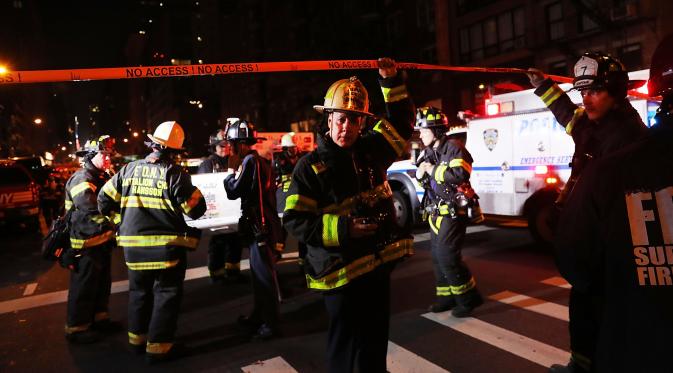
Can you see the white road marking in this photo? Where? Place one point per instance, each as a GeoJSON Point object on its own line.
{"type": "Point", "coordinates": [401, 360]}
{"type": "Point", "coordinates": [517, 344]}
{"type": "Point", "coordinates": [30, 289]}
{"type": "Point", "coordinates": [557, 281]}
{"type": "Point", "coordinates": [537, 305]}
{"type": "Point", "coordinates": [273, 365]}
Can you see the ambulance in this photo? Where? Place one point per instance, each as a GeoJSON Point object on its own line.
{"type": "Point", "coordinates": [521, 157]}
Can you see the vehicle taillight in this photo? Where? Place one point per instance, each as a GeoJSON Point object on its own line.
{"type": "Point", "coordinates": [541, 170]}
{"type": "Point", "coordinates": [551, 180]}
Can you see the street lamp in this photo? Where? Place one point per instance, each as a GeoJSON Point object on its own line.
{"type": "Point", "coordinates": [3, 69]}
{"type": "Point", "coordinates": [37, 121]}
{"type": "Point", "coordinates": [135, 134]}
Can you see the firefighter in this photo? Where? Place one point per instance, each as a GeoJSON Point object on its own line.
{"type": "Point", "coordinates": [612, 240]}
{"type": "Point", "coordinates": [224, 250]}
{"type": "Point", "coordinates": [605, 123]}
{"type": "Point", "coordinates": [152, 194]}
{"type": "Point", "coordinates": [445, 172]}
{"type": "Point", "coordinates": [340, 204]}
{"type": "Point", "coordinates": [91, 240]}
{"type": "Point", "coordinates": [283, 164]}
{"type": "Point", "coordinates": [259, 227]}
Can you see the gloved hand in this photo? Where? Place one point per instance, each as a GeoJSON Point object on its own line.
{"type": "Point", "coordinates": [536, 77]}
{"type": "Point", "coordinates": [423, 169]}
{"type": "Point", "coordinates": [387, 67]}
{"type": "Point", "coordinates": [70, 260]}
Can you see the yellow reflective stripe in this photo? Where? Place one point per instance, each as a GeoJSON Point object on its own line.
{"type": "Point", "coordinates": [157, 240]}
{"type": "Point", "coordinates": [99, 219]}
{"type": "Point", "coordinates": [146, 202]}
{"type": "Point", "coordinates": [443, 291]}
{"type": "Point", "coordinates": [432, 226]}
{"type": "Point", "coordinates": [76, 328]}
{"type": "Point", "coordinates": [158, 348]}
{"type": "Point", "coordinates": [439, 172]}
{"type": "Point", "coordinates": [443, 209]}
{"type": "Point", "coordinates": [137, 339]}
{"type": "Point", "coordinates": [370, 197]}
{"type": "Point", "coordinates": [79, 188]}
{"type": "Point", "coordinates": [298, 202]}
{"type": "Point", "coordinates": [68, 204]}
{"type": "Point", "coordinates": [78, 243]}
{"type": "Point", "coordinates": [110, 190]}
{"type": "Point", "coordinates": [394, 94]}
{"type": "Point", "coordinates": [461, 289]}
{"type": "Point", "coordinates": [576, 114]}
{"type": "Point", "coordinates": [193, 200]}
{"type": "Point", "coordinates": [318, 167]}
{"type": "Point", "coordinates": [361, 266]}
{"type": "Point", "coordinates": [330, 230]}
{"type": "Point", "coordinates": [146, 266]}
{"type": "Point", "coordinates": [458, 162]}
{"type": "Point", "coordinates": [397, 142]}
{"type": "Point", "coordinates": [115, 217]}
{"type": "Point", "coordinates": [551, 95]}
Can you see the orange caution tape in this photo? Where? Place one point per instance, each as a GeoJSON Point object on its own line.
{"type": "Point", "coordinates": [44, 76]}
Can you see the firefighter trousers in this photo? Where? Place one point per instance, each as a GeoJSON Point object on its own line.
{"type": "Point", "coordinates": [265, 286]}
{"type": "Point", "coordinates": [359, 318]}
{"type": "Point", "coordinates": [224, 255]}
{"type": "Point", "coordinates": [154, 302]}
{"type": "Point", "coordinates": [452, 276]}
{"type": "Point", "coordinates": [584, 311]}
{"type": "Point", "coordinates": [89, 291]}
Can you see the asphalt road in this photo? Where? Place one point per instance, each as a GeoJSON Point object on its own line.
{"type": "Point", "coordinates": [522, 327]}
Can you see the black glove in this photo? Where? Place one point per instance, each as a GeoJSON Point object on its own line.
{"type": "Point", "coordinates": [70, 260]}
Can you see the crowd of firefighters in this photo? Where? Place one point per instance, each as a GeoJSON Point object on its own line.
{"type": "Point", "coordinates": [337, 202]}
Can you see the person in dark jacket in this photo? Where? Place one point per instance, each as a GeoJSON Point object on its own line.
{"type": "Point", "coordinates": [224, 250]}
{"type": "Point", "coordinates": [605, 123]}
{"type": "Point", "coordinates": [151, 195]}
{"type": "Point", "coordinates": [615, 235]}
{"type": "Point", "coordinates": [259, 227]}
{"type": "Point", "coordinates": [445, 173]}
{"type": "Point", "coordinates": [340, 204]}
{"type": "Point", "coordinates": [91, 240]}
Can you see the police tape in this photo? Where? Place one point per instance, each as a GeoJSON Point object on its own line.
{"type": "Point", "coordinates": [110, 73]}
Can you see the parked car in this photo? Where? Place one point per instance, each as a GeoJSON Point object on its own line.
{"type": "Point", "coordinates": [19, 195]}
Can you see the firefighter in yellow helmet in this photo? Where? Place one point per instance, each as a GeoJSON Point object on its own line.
{"type": "Point", "coordinates": [340, 204]}
{"type": "Point", "coordinates": [152, 195]}
{"type": "Point", "coordinates": [91, 241]}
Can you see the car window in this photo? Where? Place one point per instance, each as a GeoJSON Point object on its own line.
{"type": "Point", "coordinates": [13, 175]}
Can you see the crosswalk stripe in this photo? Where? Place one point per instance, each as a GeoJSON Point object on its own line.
{"type": "Point", "coordinates": [273, 365]}
{"type": "Point", "coordinates": [122, 286]}
{"type": "Point", "coordinates": [537, 305]}
{"type": "Point", "coordinates": [557, 281]}
{"type": "Point", "coordinates": [517, 344]}
{"type": "Point", "coordinates": [30, 289]}
{"type": "Point", "coordinates": [401, 360]}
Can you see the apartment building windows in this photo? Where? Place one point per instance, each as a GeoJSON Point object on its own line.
{"type": "Point", "coordinates": [492, 36]}
{"type": "Point", "coordinates": [631, 56]}
{"type": "Point", "coordinates": [555, 26]}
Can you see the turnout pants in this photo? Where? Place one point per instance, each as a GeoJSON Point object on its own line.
{"type": "Point", "coordinates": [359, 317]}
{"type": "Point", "coordinates": [154, 305]}
{"type": "Point", "coordinates": [264, 285]}
{"type": "Point", "coordinates": [583, 311]}
{"type": "Point", "coordinates": [89, 291]}
{"type": "Point", "coordinates": [452, 277]}
{"type": "Point", "coordinates": [224, 255]}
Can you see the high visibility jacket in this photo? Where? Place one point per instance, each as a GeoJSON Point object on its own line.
{"type": "Point", "coordinates": [593, 139]}
{"type": "Point", "coordinates": [89, 227]}
{"type": "Point", "coordinates": [332, 184]}
{"type": "Point", "coordinates": [283, 165]}
{"type": "Point", "coordinates": [614, 242]}
{"type": "Point", "coordinates": [151, 195]}
{"type": "Point", "coordinates": [453, 168]}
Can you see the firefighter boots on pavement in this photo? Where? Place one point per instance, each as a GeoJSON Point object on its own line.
{"type": "Point", "coordinates": [177, 351]}
{"type": "Point", "coordinates": [442, 304]}
{"type": "Point", "coordinates": [84, 337]}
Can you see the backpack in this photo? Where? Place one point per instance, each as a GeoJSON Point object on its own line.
{"type": "Point", "coordinates": [57, 241]}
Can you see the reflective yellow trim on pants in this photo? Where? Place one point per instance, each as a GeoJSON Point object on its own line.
{"type": "Point", "coordinates": [76, 328]}
{"type": "Point", "coordinates": [330, 230]}
{"type": "Point", "coordinates": [397, 142]}
{"type": "Point", "coordinates": [99, 219]}
{"type": "Point", "coordinates": [158, 348]}
{"type": "Point", "coordinates": [77, 243]}
{"type": "Point", "coordinates": [158, 240]}
{"type": "Point", "coordinates": [443, 291]}
{"type": "Point", "coordinates": [462, 289]}
{"type": "Point", "coordinates": [157, 203]}
{"type": "Point", "coordinates": [551, 94]}
{"type": "Point", "coordinates": [193, 200]}
{"type": "Point", "coordinates": [394, 94]}
{"type": "Point", "coordinates": [459, 162]}
{"type": "Point", "coordinates": [439, 172]}
{"type": "Point", "coordinates": [298, 202]}
{"type": "Point", "coordinates": [112, 192]}
{"type": "Point", "coordinates": [361, 266]}
{"type": "Point", "coordinates": [137, 339]}
{"type": "Point", "coordinates": [147, 266]}
{"type": "Point", "coordinates": [576, 114]}
{"type": "Point", "coordinates": [68, 204]}
{"type": "Point", "coordinates": [79, 188]}
{"type": "Point", "coordinates": [435, 226]}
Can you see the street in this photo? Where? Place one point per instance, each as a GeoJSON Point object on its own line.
{"type": "Point", "coordinates": [521, 327]}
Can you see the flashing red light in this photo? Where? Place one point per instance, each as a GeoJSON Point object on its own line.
{"type": "Point", "coordinates": [551, 180]}
{"type": "Point", "coordinates": [541, 170]}
{"type": "Point", "coordinates": [492, 109]}
{"type": "Point", "coordinates": [643, 89]}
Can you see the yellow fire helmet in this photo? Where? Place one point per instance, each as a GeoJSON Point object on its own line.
{"type": "Point", "coordinates": [169, 134]}
{"type": "Point", "coordinates": [346, 95]}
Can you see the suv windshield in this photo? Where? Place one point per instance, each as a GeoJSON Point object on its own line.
{"type": "Point", "coordinates": [13, 175]}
